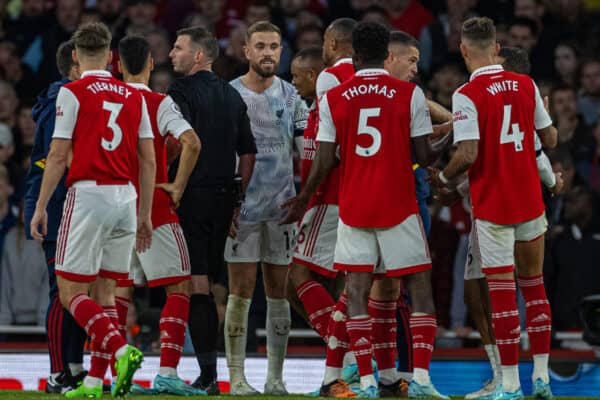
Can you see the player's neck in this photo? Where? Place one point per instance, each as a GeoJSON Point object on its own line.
{"type": "Point", "coordinates": [358, 66]}
{"type": "Point", "coordinates": [200, 67]}
{"type": "Point", "coordinates": [142, 78]}
{"type": "Point", "coordinates": [85, 66]}
{"type": "Point", "coordinates": [342, 56]}
{"type": "Point", "coordinates": [256, 82]}
{"type": "Point", "coordinates": [480, 63]}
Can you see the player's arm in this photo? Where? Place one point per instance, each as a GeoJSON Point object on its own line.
{"type": "Point", "coordinates": [421, 129]}
{"type": "Point", "coordinates": [171, 120]}
{"type": "Point", "coordinates": [246, 146]}
{"type": "Point", "coordinates": [67, 107]}
{"type": "Point", "coordinates": [466, 136]}
{"type": "Point", "coordinates": [325, 161]}
{"type": "Point", "coordinates": [147, 171]}
{"type": "Point", "coordinates": [547, 133]}
{"type": "Point", "coordinates": [438, 113]}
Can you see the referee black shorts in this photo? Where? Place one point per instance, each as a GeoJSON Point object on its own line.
{"type": "Point", "coordinates": [205, 217]}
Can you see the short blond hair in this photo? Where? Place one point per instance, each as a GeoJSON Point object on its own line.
{"type": "Point", "coordinates": [92, 39]}
{"type": "Point", "coordinates": [479, 31]}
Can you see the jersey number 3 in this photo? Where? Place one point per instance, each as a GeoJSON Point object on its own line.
{"type": "Point", "coordinates": [114, 109]}
{"type": "Point", "coordinates": [365, 129]}
{"type": "Point", "coordinates": [515, 135]}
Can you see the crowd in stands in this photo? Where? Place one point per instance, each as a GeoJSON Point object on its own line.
{"type": "Point", "coordinates": [562, 38]}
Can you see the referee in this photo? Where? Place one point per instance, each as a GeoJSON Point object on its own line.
{"type": "Point", "coordinates": [217, 113]}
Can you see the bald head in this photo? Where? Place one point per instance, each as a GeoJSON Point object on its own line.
{"type": "Point", "coordinates": [337, 41]}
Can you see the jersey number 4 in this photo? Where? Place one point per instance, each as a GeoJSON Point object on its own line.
{"type": "Point", "coordinates": [515, 135]}
{"type": "Point", "coordinates": [114, 109]}
{"type": "Point", "coordinates": [365, 129]}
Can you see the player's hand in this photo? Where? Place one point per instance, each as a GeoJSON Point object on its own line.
{"type": "Point", "coordinates": [296, 206]}
{"type": "Point", "coordinates": [233, 229]}
{"type": "Point", "coordinates": [39, 224]}
{"type": "Point", "coordinates": [173, 190]}
{"type": "Point", "coordinates": [143, 237]}
{"type": "Point", "coordinates": [434, 178]}
{"type": "Point", "coordinates": [446, 197]}
{"type": "Point", "coordinates": [560, 183]}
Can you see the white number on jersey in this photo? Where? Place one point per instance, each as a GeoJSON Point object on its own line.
{"type": "Point", "coordinates": [515, 135]}
{"type": "Point", "coordinates": [364, 129]}
{"type": "Point", "coordinates": [115, 109]}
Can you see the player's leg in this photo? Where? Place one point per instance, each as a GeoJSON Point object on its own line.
{"type": "Point", "coordinates": [412, 262]}
{"type": "Point", "coordinates": [167, 263]}
{"type": "Point", "coordinates": [496, 245]}
{"type": "Point", "coordinates": [315, 245]}
{"type": "Point", "coordinates": [242, 256]}
{"type": "Point", "coordinates": [208, 228]}
{"type": "Point", "coordinates": [356, 252]}
{"type": "Point", "coordinates": [403, 337]}
{"type": "Point", "coordinates": [529, 254]}
{"type": "Point", "coordinates": [383, 300]}
{"type": "Point", "coordinates": [477, 300]}
{"type": "Point", "coordinates": [276, 255]}
{"type": "Point", "coordinates": [58, 378]}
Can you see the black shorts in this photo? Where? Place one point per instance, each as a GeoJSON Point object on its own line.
{"type": "Point", "coordinates": [205, 217]}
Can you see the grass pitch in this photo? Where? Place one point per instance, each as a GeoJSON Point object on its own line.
{"type": "Point", "coordinates": [25, 395]}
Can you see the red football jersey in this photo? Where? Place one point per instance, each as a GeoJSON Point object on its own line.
{"type": "Point", "coordinates": [328, 190]}
{"type": "Point", "coordinates": [332, 76]}
{"type": "Point", "coordinates": [372, 117]}
{"type": "Point", "coordinates": [165, 119]}
{"type": "Point", "coordinates": [502, 110]}
{"type": "Point", "coordinates": [104, 118]}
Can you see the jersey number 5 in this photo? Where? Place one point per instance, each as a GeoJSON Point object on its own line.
{"type": "Point", "coordinates": [365, 129]}
{"type": "Point", "coordinates": [114, 109]}
{"type": "Point", "coordinates": [516, 135]}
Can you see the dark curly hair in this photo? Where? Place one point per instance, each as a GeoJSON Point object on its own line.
{"type": "Point", "coordinates": [370, 42]}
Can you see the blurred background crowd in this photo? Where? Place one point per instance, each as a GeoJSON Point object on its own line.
{"type": "Point", "coordinates": [562, 38]}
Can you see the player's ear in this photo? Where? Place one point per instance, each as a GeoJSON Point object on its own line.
{"type": "Point", "coordinates": [120, 67]}
{"type": "Point", "coordinates": [464, 51]}
{"type": "Point", "coordinates": [74, 56]}
{"type": "Point", "coordinates": [496, 48]}
{"type": "Point", "coordinates": [110, 57]}
{"type": "Point", "coordinates": [247, 51]}
{"type": "Point", "coordinates": [151, 61]}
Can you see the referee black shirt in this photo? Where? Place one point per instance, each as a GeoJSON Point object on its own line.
{"type": "Point", "coordinates": [218, 115]}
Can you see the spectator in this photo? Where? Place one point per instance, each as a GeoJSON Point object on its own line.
{"type": "Point", "coordinates": [232, 62]}
{"type": "Point", "coordinates": [309, 36]}
{"type": "Point", "coordinates": [376, 14]}
{"type": "Point", "coordinates": [573, 134]}
{"type": "Point", "coordinates": [589, 99]}
{"type": "Point", "coordinates": [8, 103]}
{"type": "Point", "coordinates": [7, 216]}
{"type": "Point", "coordinates": [161, 78]}
{"type": "Point", "coordinates": [442, 38]}
{"type": "Point", "coordinates": [214, 12]}
{"type": "Point", "coordinates": [159, 46]}
{"type": "Point", "coordinates": [445, 81]}
{"type": "Point", "coordinates": [589, 169]}
{"type": "Point", "coordinates": [408, 16]}
{"type": "Point", "coordinates": [571, 256]}
{"type": "Point", "coordinates": [562, 162]}
{"type": "Point", "coordinates": [28, 27]}
{"type": "Point", "coordinates": [290, 10]}
{"type": "Point", "coordinates": [110, 13]}
{"type": "Point", "coordinates": [23, 279]}
{"type": "Point", "coordinates": [258, 10]}
{"type": "Point", "coordinates": [20, 75]}
{"type": "Point", "coordinates": [523, 33]}
{"type": "Point", "coordinates": [566, 63]}
{"type": "Point", "coordinates": [67, 16]}
{"type": "Point", "coordinates": [140, 15]}
{"type": "Point", "coordinates": [548, 35]}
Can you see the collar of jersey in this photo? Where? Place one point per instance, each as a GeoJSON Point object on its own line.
{"type": "Point", "coordinates": [346, 60]}
{"type": "Point", "coordinates": [139, 86]}
{"type": "Point", "coordinates": [372, 71]}
{"type": "Point", "coordinates": [96, 72]}
{"type": "Point", "coordinates": [488, 69]}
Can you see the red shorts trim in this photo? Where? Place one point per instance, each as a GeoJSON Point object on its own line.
{"type": "Point", "coordinates": [125, 283]}
{"type": "Point", "coordinates": [354, 267]}
{"type": "Point", "coordinates": [113, 275]}
{"type": "Point", "coordinates": [408, 270]}
{"type": "Point", "coordinates": [171, 280]}
{"type": "Point", "coordinates": [315, 268]}
{"type": "Point", "coordinates": [502, 269]}
{"type": "Point", "coordinates": [70, 276]}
